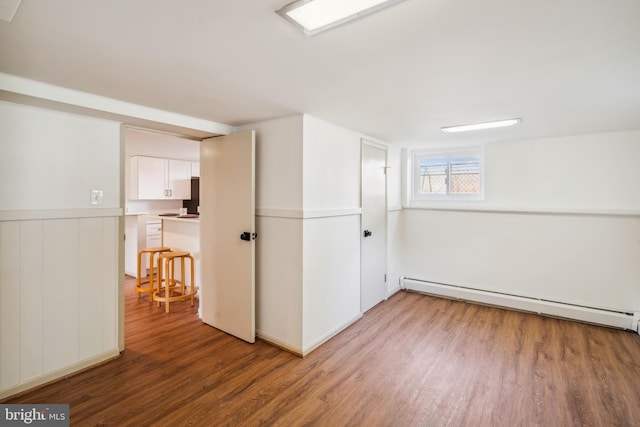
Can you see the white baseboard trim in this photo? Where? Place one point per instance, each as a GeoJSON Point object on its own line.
{"type": "Point", "coordinates": [332, 333]}
{"type": "Point", "coordinates": [59, 373]}
{"type": "Point", "coordinates": [616, 319]}
{"type": "Point", "coordinates": [302, 352]}
{"type": "Point", "coordinates": [280, 344]}
{"type": "Point", "coordinates": [636, 322]}
{"type": "Point", "coordinates": [393, 291]}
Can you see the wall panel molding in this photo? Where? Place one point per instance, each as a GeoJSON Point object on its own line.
{"type": "Point", "coordinates": [44, 214]}
{"type": "Point", "coordinates": [528, 210]}
{"type": "Point", "coordinates": [307, 213]}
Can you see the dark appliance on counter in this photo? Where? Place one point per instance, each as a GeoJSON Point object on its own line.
{"type": "Point", "coordinates": [192, 205]}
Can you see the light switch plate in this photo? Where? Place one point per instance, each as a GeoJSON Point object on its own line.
{"type": "Point", "coordinates": [96, 197]}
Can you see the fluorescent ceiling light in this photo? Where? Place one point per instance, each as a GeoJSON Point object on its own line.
{"type": "Point", "coordinates": [313, 16]}
{"type": "Point", "coordinates": [8, 9]}
{"type": "Point", "coordinates": [480, 126]}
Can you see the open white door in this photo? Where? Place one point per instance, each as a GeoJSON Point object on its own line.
{"type": "Point", "coordinates": [227, 233]}
{"type": "Point", "coordinates": [373, 248]}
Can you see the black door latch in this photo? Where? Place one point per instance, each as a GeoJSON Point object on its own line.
{"type": "Point", "coordinates": [248, 236]}
{"type": "Point", "coordinates": [366, 233]}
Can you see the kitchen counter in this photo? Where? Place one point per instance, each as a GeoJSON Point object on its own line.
{"type": "Point", "coordinates": [182, 234]}
{"type": "Point", "coordinates": [176, 218]}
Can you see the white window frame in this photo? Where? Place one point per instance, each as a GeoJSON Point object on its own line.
{"type": "Point", "coordinates": [417, 155]}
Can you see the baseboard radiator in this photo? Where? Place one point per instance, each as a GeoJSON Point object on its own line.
{"type": "Point", "coordinates": [612, 318]}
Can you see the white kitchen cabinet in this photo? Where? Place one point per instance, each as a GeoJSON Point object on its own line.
{"type": "Point", "coordinates": [134, 242]}
{"type": "Point", "coordinates": [179, 179]}
{"type": "Point", "coordinates": [147, 178]}
{"type": "Point", "coordinates": [155, 178]}
{"type": "Point", "coordinates": [195, 169]}
{"type": "Point", "coordinates": [153, 240]}
{"type": "Point", "coordinates": [141, 232]}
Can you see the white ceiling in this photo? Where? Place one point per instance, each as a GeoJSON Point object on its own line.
{"type": "Point", "coordinates": [563, 66]}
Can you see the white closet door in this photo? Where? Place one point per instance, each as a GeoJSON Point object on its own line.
{"type": "Point", "coordinates": [373, 254]}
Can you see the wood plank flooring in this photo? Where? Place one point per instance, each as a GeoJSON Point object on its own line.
{"type": "Point", "coordinates": [413, 360]}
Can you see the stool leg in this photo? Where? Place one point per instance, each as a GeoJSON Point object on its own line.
{"type": "Point", "coordinates": [192, 289]}
{"type": "Point", "coordinates": [151, 281]}
{"type": "Point", "coordinates": [167, 283]}
{"type": "Point", "coordinates": [159, 282]}
{"type": "Point", "coordinates": [138, 281]}
{"type": "Point", "coordinates": [182, 285]}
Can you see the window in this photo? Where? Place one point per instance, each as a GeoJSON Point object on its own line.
{"type": "Point", "coordinates": [448, 175]}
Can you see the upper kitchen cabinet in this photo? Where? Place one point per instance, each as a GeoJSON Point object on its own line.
{"type": "Point", "coordinates": [179, 179]}
{"type": "Point", "coordinates": [154, 178]}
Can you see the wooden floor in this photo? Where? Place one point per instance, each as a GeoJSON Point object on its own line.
{"type": "Point", "coordinates": [413, 360]}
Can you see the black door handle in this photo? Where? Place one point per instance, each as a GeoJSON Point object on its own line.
{"type": "Point", "coordinates": [367, 233]}
{"type": "Point", "coordinates": [248, 236]}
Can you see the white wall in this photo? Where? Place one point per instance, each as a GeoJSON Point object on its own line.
{"type": "Point", "coordinates": [394, 223]}
{"type": "Point", "coordinates": [59, 257]}
{"type": "Point", "coordinates": [584, 260]}
{"type": "Point", "coordinates": [331, 291]}
{"type": "Point", "coordinates": [394, 177]}
{"type": "Point", "coordinates": [148, 143]}
{"type": "Point", "coordinates": [279, 228]}
{"type": "Point", "coordinates": [308, 223]}
{"type": "Point", "coordinates": [279, 281]}
{"type": "Point", "coordinates": [331, 177]}
{"type": "Point", "coordinates": [331, 166]}
{"type": "Point", "coordinates": [597, 172]}
{"type": "Point", "coordinates": [278, 165]}
{"type": "Point", "coordinates": [53, 160]}
{"type": "Point", "coordinates": [582, 173]}
{"type": "Point", "coordinates": [552, 228]}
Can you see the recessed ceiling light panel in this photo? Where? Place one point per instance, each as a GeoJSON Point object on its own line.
{"type": "Point", "coordinates": [8, 9]}
{"type": "Point", "coordinates": [480, 126]}
{"type": "Point", "coordinates": [314, 16]}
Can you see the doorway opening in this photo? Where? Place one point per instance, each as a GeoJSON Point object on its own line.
{"type": "Point", "coordinates": [158, 173]}
{"type": "Point", "coordinates": [225, 259]}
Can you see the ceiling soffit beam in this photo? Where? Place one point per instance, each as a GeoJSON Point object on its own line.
{"type": "Point", "coordinates": [30, 92]}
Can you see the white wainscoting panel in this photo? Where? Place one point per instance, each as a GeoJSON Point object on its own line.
{"type": "Point", "coordinates": [9, 304]}
{"type": "Point", "coordinates": [58, 294]}
{"type": "Point", "coordinates": [331, 277]}
{"type": "Point", "coordinates": [279, 282]}
{"type": "Point", "coordinates": [59, 289]}
{"type": "Point", "coordinates": [30, 317]}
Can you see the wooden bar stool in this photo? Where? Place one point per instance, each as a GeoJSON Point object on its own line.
{"type": "Point", "coordinates": [169, 289]}
{"type": "Point", "coordinates": [145, 285]}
